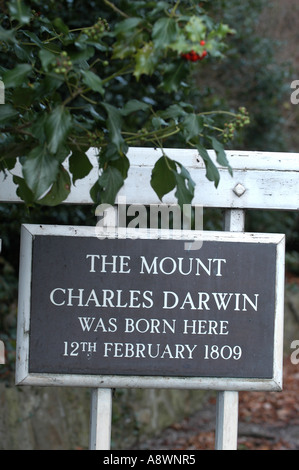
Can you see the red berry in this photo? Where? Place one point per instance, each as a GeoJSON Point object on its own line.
{"type": "Point", "coordinates": [202, 43]}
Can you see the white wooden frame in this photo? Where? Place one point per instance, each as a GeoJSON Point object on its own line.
{"type": "Point", "coordinates": [261, 180]}
{"type": "Point", "coordinates": [105, 381]}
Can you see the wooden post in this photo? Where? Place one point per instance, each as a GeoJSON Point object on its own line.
{"type": "Point", "coordinates": [228, 402]}
{"type": "Point", "coordinates": [101, 398]}
{"type": "Point", "coordinates": [227, 421]}
{"type": "Point", "coordinates": [101, 415]}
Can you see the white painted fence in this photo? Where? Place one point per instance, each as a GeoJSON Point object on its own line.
{"type": "Point", "coordinates": [261, 180]}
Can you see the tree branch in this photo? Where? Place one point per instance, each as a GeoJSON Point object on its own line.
{"type": "Point", "coordinates": [117, 10]}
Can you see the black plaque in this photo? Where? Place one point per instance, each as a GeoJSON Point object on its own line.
{"type": "Point", "coordinates": [148, 307]}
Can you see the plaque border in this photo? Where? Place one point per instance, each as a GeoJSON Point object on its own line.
{"type": "Point", "coordinates": [24, 377]}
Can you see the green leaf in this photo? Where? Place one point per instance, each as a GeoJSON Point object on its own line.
{"type": "Point", "coordinates": [80, 165]}
{"type": "Point", "coordinates": [57, 127]}
{"type": "Point", "coordinates": [7, 35]}
{"type": "Point", "coordinates": [196, 29]}
{"type": "Point", "coordinates": [133, 106]}
{"type": "Point", "coordinates": [185, 186]}
{"type": "Point", "coordinates": [47, 58]}
{"type": "Point", "coordinates": [17, 76]}
{"type": "Point", "coordinates": [163, 179]}
{"type": "Point", "coordinates": [165, 31]}
{"type": "Point", "coordinates": [122, 164]}
{"type": "Point", "coordinates": [174, 76]}
{"type": "Point", "coordinates": [146, 60]}
{"type": "Point", "coordinates": [108, 185]}
{"type": "Point", "coordinates": [7, 112]}
{"type": "Point", "coordinates": [212, 170]}
{"type": "Point", "coordinates": [174, 111]}
{"type": "Point", "coordinates": [22, 190]}
{"type": "Point", "coordinates": [93, 81]}
{"type": "Point", "coordinates": [19, 11]}
{"type": "Point", "coordinates": [59, 191]}
{"type": "Point", "coordinates": [40, 170]}
{"type": "Point", "coordinates": [60, 26]}
{"type": "Point", "coordinates": [192, 125]}
{"type": "Point", "coordinates": [114, 124]}
{"type": "Point", "coordinates": [221, 155]}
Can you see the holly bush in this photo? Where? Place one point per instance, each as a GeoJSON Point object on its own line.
{"type": "Point", "coordinates": [125, 80]}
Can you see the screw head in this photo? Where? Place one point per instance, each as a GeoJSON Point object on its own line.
{"type": "Point", "coordinates": [239, 190]}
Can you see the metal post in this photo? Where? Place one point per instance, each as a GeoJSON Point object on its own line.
{"type": "Point", "coordinates": [228, 401]}
{"type": "Point", "coordinates": [101, 415]}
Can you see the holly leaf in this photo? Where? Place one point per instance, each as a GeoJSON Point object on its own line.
{"type": "Point", "coordinates": [40, 170]}
{"type": "Point", "coordinates": [165, 31]}
{"type": "Point", "coordinates": [174, 76]}
{"type": "Point", "coordinates": [146, 60]}
{"type": "Point", "coordinates": [57, 127]}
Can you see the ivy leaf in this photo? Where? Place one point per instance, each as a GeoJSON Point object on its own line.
{"type": "Point", "coordinates": [60, 26]}
{"type": "Point", "coordinates": [59, 190]}
{"type": "Point", "coordinates": [17, 76]}
{"type": "Point", "coordinates": [19, 11]}
{"type": "Point", "coordinates": [57, 127]}
{"type": "Point", "coordinates": [165, 31]}
{"type": "Point", "coordinates": [80, 165]}
{"type": "Point", "coordinates": [163, 179]}
{"type": "Point", "coordinates": [7, 113]}
{"type": "Point", "coordinates": [22, 190]}
{"type": "Point", "coordinates": [93, 81]}
{"type": "Point", "coordinates": [221, 155]}
{"type": "Point", "coordinates": [212, 171]}
{"type": "Point", "coordinates": [192, 125]}
{"type": "Point", "coordinates": [122, 164]}
{"type": "Point", "coordinates": [133, 106]}
{"type": "Point", "coordinates": [106, 188]}
{"type": "Point", "coordinates": [40, 170]}
{"type": "Point", "coordinates": [185, 186]}
{"type": "Point", "coordinates": [114, 124]}
{"type": "Point", "coordinates": [46, 58]}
